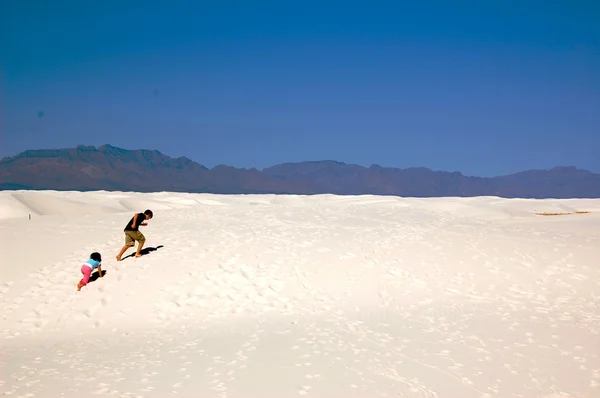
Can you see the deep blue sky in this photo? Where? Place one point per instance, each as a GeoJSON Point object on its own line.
{"type": "Point", "coordinates": [460, 86]}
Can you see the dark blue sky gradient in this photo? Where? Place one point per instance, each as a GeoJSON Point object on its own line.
{"type": "Point", "coordinates": [484, 89]}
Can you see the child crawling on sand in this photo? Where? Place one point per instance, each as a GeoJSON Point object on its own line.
{"type": "Point", "coordinates": [95, 261]}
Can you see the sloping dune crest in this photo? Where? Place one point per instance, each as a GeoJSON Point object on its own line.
{"type": "Point", "coordinates": [10, 207]}
{"type": "Point", "coordinates": [75, 204]}
{"type": "Point", "coordinates": [47, 204]}
{"type": "Point", "coordinates": [141, 204]}
{"type": "Point", "coordinates": [494, 208]}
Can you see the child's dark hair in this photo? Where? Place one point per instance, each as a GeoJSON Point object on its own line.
{"type": "Point", "coordinates": [149, 213]}
{"type": "Point", "coordinates": [96, 256]}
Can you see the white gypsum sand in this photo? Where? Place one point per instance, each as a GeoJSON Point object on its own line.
{"type": "Point", "coordinates": [318, 296]}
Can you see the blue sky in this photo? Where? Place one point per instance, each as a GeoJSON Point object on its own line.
{"type": "Point", "coordinates": [484, 89]}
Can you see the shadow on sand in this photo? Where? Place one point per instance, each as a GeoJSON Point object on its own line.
{"type": "Point", "coordinates": [95, 276]}
{"type": "Point", "coordinates": [144, 251]}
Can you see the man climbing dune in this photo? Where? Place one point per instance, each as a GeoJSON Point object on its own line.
{"type": "Point", "coordinates": [133, 234]}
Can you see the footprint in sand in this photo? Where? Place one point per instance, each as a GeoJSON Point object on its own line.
{"type": "Point", "coordinates": [346, 256]}
{"type": "Point", "coordinates": [6, 287]}
{"type": "Point", "coordinates": [89, 312]}
{"type": "Point", "coordinates": [105, 301]}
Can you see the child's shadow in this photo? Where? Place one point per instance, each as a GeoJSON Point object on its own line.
{"type": "Point", "coordinates": [144, 251]}
{"type": "Point", "coordinates": [95, 276]}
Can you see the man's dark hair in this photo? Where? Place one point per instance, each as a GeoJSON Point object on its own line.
{"type": "Point", "coordinates": [149, 213]}
{"type": "Point", "coordinates": [96, 256]}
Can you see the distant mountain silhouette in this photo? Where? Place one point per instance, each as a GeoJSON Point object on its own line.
{"type": "Point", "coordinates": [86, 168]}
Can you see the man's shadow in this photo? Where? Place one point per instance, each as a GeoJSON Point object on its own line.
{"type": "Point", "coordinates": [144, 251]}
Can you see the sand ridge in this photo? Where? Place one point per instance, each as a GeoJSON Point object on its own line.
{"type": "Point", "coordinates": [274, 295]}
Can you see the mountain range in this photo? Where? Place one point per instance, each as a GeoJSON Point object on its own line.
{"type": "Point", "coordinates": [109, 168]}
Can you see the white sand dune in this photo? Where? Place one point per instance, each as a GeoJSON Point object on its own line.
{"type": "Point", "coordinates": [285, 296]}
{"type": "Point", "coordinates": [10, 207]}
{"type": "Point", "coordinates": [47, 204]}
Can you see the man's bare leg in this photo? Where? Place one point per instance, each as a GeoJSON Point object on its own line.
{"type": "Point", "coordinates": [123, 250]}
{"type": "Point", "coordinates": [139, 249]}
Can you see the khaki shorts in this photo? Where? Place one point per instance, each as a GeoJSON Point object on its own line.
{"type": "Point", "coordinates": [132, 236]}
